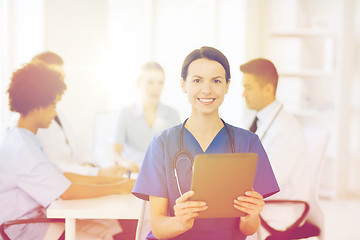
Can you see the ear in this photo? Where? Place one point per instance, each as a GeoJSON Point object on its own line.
{"type": "Point", "coordinates": [227, 86]}
{"type": "Point", "coordinates": [183, 85]}
{"type": "Point", "coordinates": [37, 110]}
{"type": "Point", "coordinates": [270, 90]}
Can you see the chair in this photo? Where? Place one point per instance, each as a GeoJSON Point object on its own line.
{"type": "Point", "coordinates": [311, 221]}
{"type": "Point", "coordinates": [143, 227]}
{"type": "Point", "coordinates": [6, 224]}
{"type": "Point", "coordinates": [104, 123]}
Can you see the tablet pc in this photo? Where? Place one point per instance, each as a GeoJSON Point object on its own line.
{"type": "Point", "coordinates": [218, 179]}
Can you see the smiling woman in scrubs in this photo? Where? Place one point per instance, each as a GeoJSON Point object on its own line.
{"type": "Point", "coordinates": [205, 78]}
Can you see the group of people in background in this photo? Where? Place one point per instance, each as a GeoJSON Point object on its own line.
{"type": "Point", "coordinates": [39, 162]}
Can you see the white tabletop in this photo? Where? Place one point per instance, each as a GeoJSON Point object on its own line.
{"type": "Point", "coordinates": [107, 207]}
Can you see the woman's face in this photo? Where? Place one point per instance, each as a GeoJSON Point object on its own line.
{"type": "Point", "coordinates": [151, 85]}
{"type": "Point", "coordinates": [205, 85]}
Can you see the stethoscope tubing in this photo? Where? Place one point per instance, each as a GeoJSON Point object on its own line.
{"type": "Point", "coordinates": [190, 158]}
{"type": "Point", "coordinates": [271, 123]}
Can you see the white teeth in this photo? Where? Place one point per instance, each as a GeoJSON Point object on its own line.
{"type": "Point", "coordinates": [206, 99]}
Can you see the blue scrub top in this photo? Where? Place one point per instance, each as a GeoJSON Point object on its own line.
{"type": "Point", "coordinates": [157, 175]}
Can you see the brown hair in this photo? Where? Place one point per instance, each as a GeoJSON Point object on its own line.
{"type": "Point", "coordinates": [34, 85]}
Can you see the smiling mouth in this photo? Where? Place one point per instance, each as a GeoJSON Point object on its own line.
{"type": "Point", "coordinates": [206, 100]}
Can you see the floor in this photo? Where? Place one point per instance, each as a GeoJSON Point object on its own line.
{"type": "Point", "coordinates": [342, 219]}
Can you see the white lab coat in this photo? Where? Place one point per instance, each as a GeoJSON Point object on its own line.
{"type": "Point", "coordinates": [284, 141]}
{"type": "Point", "coordinates": [69, 156]}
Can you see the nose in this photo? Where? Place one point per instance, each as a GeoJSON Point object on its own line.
{"type": "Point", "coordinates": [206, 88]}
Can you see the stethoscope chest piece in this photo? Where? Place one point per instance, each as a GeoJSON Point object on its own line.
{"type": "Point", "coordinates": [184, 160]}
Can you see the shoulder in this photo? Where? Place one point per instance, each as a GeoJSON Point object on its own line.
{"type": "Point", "coordinates": [127, 109]}
{"type": "Point", "coordinates": [285, 115]}
{"type": "Point", "coordinates": [168, 134]}
{"type": "Point", "coordinates": [288, 121]}
{"type": "Point", "coordinates": [166, 109]}
{"type": "Point", "coordinates": [128, 113]}
{"type": "Point", "coordinates": [241, 133]}
{"type": "Point", "coordinates": [19, 136]}
{"type": "Point", "coordinates": [244, 140]}
{"type": "Point", "coordinates": [17, 142]}
{"type": "Point", "coordinates": [166, 139]}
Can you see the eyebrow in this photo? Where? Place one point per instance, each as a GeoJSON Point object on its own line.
{"type": "Point", "coordinates": [197, 76]}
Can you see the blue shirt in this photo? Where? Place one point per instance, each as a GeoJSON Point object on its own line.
{"type": "Point", "coordinates": [157, 177]}
{"type": "Point", "coordinates": [133, 132]}
{"type": "Point", "coordinates": [29, 182]}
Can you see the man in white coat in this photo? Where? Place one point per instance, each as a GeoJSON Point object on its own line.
{"type": "Point", "coordinates": [281, 135]}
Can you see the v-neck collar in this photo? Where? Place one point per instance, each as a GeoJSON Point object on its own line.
{"type": "Point", "coordinates": [210, 147]}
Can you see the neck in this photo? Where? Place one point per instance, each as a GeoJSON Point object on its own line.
{"type": "Point", "coordinates": [149, 106]}
{"type": "Point", "coordinates": [204, 128]}
{"type": "Point", "coordinates": [204, 123]}
{"type": "Point", "coordinates": [267, 104]}
{"type": "Point", "coordinates": [26, 123]}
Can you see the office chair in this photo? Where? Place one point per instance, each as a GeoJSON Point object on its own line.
{"type": "Point", "coordinates": [104, 123]}
{"type": "Point", "coordinates": [6, 224]}
{"type": "Point", "coordinates": [143, 227]}
{"type": "Point", "coordinates": [311, 221]}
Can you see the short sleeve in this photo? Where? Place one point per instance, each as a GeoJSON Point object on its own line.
{"type": "Point", "coordinates": [151, 180]}
{"type": "Point", "coordinates": [39, 177]}
{"type": "Point", "coordinates": [175, 117]}
{"type": "Point", "coordinates": [265, 182]}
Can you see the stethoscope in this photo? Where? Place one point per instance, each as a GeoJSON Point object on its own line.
{"type": "Point", "coordinates": [271, 123]}
{"type": "Point", "coordinates": [185, 155]}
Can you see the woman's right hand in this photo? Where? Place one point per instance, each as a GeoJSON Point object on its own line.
{"type": "Point", "coordinates": [186, 211]}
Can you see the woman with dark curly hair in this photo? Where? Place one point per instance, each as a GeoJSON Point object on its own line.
{"type": "Point", "coordinates": [30, 181]}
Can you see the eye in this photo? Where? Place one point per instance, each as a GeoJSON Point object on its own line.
{"type": "Point", "coordinates": [196, 80]}
{"type": "Point", "coordinates": [217, 81]}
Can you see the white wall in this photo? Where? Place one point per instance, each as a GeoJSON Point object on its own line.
{"type": "Point", "coordinates": [22, 36]}
{"type": "Point", "coordinates": [104, 42]}
{"type": "Point", "coordinates": [77, 31]}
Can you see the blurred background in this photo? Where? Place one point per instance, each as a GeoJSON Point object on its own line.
{"type": "Point", "coordinates": [314, 44]}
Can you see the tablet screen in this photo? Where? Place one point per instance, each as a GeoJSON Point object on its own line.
{"type": "Point", "coordinates": [218, 179]}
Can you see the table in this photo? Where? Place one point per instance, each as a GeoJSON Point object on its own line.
{"type": "Point", "coordinates": [107, 207]}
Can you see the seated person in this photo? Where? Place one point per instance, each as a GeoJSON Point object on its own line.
{"type": "Point", "coordinates": [60, 141]}
{"type": "Point", "coordinates": [30, 180]}
{"type": "Point", "coordinates": [138, 124]}
{"type": "Point", "coordinates": [281, 135]}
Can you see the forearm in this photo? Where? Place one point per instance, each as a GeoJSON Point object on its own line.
{"type": "Point", "coordinates": [117, 148]}
{"type": "Point", "coordinates": [80, 190]}
{"type": "Point", "coordinates": [164, 227]}
{"type": "Point", "coordinates": [249, 224]}
{"type": "Point", "coordinates": [77, 178]}
{"type": "Point", "coordinates": [185, 211]}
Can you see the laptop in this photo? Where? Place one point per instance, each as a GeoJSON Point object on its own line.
{"type": "Point", "coordinates": [218, 179]}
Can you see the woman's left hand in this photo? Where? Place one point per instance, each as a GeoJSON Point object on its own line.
{"type": "Point", "coordinates": [251, 204]}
